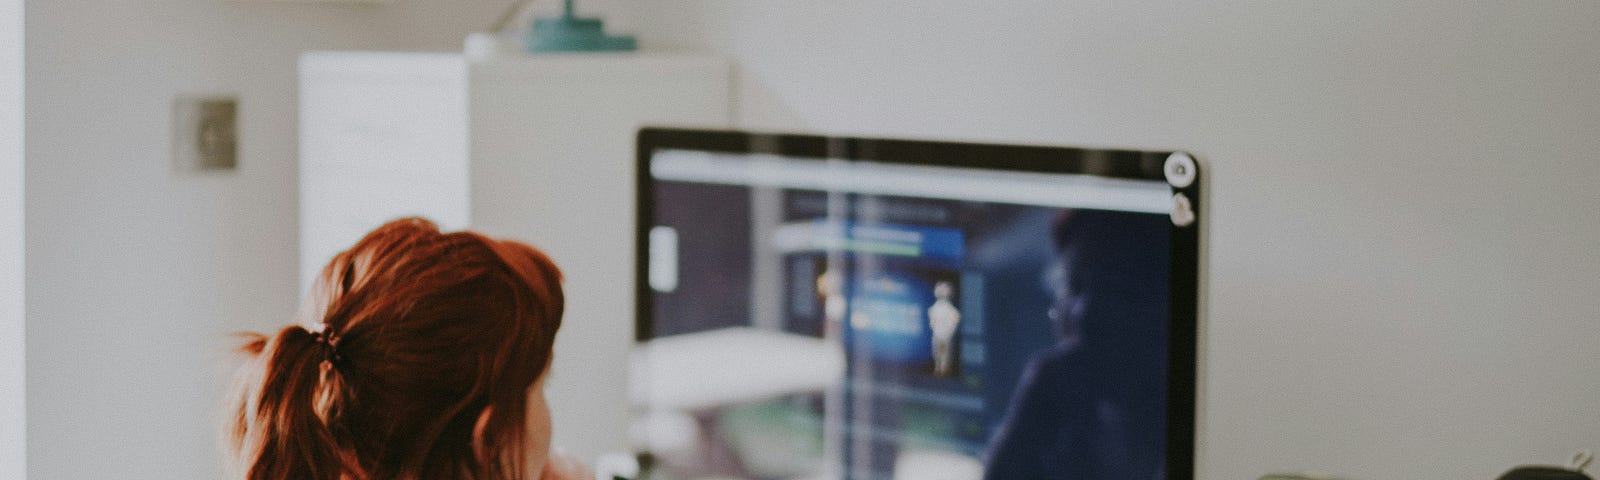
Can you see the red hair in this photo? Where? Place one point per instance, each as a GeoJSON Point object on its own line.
{"type": "Point", "coordinates": [419, 358]}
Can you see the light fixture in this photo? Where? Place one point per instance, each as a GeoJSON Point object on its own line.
{"type": "Point", "coordinates": [570, 33]}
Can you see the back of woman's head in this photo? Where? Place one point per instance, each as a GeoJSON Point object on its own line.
{"type": "Point", "coordinates": [1118, 263]}
{"type": "Point", "coordinates": [414, 358]}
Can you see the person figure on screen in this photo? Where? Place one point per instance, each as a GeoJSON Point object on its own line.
{"type": "Point", "coordinates": [420, 355]}
{"type": "Point", "coordinates": [943, 319]}
{"type": "Point", "coordinates": [830, 286]}
{"type": "Point", "coordinates": [1093, 406]}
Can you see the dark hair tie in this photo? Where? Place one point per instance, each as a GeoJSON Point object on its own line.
{"type": "Point", "coordinates": [324, 335]}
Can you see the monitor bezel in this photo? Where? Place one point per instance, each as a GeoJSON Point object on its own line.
{"type": "Point", "coordinates": [1183, 322]}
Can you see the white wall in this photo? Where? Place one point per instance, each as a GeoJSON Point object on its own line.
{"type": "Point", "coordinates": [1402, 197]}
{"type": "Point", "coordinates": [13, 451]}
{"type": "Point", "coordinates": [137, 274]}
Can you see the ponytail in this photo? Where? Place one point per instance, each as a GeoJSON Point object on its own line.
{"type": "Point", "coordinates": [424, 369]}
{"type": "Point", "coordinates": [285, 429]}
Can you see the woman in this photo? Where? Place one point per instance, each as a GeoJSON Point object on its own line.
{"type": "Point", "coordinates": [421, 355]}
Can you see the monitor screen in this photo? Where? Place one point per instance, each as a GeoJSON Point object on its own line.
{"type": "Point", "coordinates": [825, 307]}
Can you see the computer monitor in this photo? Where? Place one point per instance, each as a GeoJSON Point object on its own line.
{"type": "Point", "coordinates": [827, 307]}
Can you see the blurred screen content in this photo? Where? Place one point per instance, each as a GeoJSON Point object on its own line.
{"type": "Point", "coordinates": [838, 319]}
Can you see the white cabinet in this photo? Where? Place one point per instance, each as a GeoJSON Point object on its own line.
{"type": "Point", "coordinates": [539, 149]}
{"type": "Point", "coordinates": [382, 135]}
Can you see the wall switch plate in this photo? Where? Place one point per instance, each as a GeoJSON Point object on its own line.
{"type": "Point", "coordinates": [205, 133]}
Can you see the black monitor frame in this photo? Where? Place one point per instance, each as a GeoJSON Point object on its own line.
{"type": "Point", "coordinates": [1109, 163]}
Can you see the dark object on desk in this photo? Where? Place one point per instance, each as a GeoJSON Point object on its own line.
{"type": "Point", "coordinates": [1573, 470]}
{"type": "Point", "coordinates": [1544, 473]}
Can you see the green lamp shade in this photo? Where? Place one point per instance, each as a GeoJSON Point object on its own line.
{"type": "Point", "coordinates": [572, 34]}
